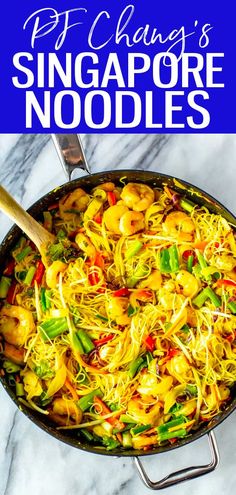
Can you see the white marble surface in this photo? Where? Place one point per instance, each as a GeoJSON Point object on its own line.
{"type": "Point", "coordinates": [31, 462]}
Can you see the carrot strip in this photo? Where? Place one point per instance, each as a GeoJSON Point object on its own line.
{"type": "Point", "coordinates": [71, 389]}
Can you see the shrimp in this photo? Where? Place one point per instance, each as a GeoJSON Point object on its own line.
{"type": "Point", "coordinates": [112, 217]}
{"type": "Point", "coordinates": [53, 271]}
{"type": "Point", "coordinates": [116, 308]}
{"type": "Point", "coordinates": [142, 413]}
{"type": "Point", "coordinates": [65, 411]}
{"type": "Point", "coordinates": [131, 222]}
{"type": "Point", "coordinates": [137, 196]}
{"type": "Point", "coordinates": [189, 283]}
{"type": "Point", "coordinates": [16, 325]}
{"type": "Point", "coordinates": [153, 282]}
{"type": "Point", "coordinates": [32, 384]}
{"type": "Point", "coordinates": [76, 200]}
{"type": "Point", "coordinates": [107, 186]}
{"type": "Point", "coordinates": [15, 355]}
{"type": "Point", "coordinates": [85, 244]}
{"type": "Point", "coordinates": [179, 224]}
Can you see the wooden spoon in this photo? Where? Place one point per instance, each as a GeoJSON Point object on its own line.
{"type": "Point", "coordinates": [40, 236]}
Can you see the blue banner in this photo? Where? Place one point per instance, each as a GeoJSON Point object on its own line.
{"type": "Point", "coordinates": [107, 66]}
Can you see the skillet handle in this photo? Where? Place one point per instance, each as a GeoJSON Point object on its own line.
{"type": "Point", "coordinates": [71, 153]}
{"type": "Point", "coordinates": [183, 474]}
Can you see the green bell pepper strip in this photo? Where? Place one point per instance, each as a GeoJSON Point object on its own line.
{"type": "Point", "coordinates": [165, 261]}
{"type": "Point", "coordinates": [232, 306]}
{"type": "Point", "coordinates": [134, 366]}
{"type": "Point", "coordinates": [174, 258]}
{"type": "Point", "coordinates": [5, 283]}
{"type": "Point", "coordinates": [50, 329]}
{"type": "Point", "coordinates": [137, 430]}
{"type": "Point", "coordinates": [85, 340]}
{"type": "Point", "coordinates": [87, 400]}
{"type": "Point", "coordinates": [187, 205]}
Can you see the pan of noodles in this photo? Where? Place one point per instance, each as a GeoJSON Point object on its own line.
{"type": "Point", "coordinates": [123, 341]}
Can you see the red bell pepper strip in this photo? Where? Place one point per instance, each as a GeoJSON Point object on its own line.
{"type": "Point", "coordinates": [54, 206]}
{"type": "Point", "coordinates": [150, 343]}
{"type": "Point", "coordinates": [102, 409]}
{"type": "Point", "coordinates": [98, 218]}
{"type": "Point", "coordinates": [38, 276]}
{"type": "Point", "coordinates": [172, 352]}
{"type": "Point", "coordinates": [124, 292]}
{"type": "Point", "coordinates": [93, 278]}
{"type": "Point", "coordinates": [103, 340]}
{"type": "Point", "coordinates": [9, 270]}
{"type": "Point", "coordinates": [111, 197]}
{"type": "Point", "coordinates": [223, 282]}
{"type": "Point", "coordinates": [11, 293]}
{"type": "Point", "coordinates": [143, 294]}
{"type": "Point", "coordinates": [98, 260]}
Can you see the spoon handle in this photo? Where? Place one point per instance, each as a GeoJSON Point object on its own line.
{"type": "Point", "coordinates": [29, 225]}
{"type": "Point", "coordinates": [71, 153]}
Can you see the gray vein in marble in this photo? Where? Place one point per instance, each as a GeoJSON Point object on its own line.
{"type": "Point", "coordinates": [19, 161]}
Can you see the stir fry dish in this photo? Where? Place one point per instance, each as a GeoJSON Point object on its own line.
{"type": "Point", "coordinates": [125, 337]}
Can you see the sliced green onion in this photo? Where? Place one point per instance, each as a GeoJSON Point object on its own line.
{"type": "Point", "coordinates": [133, 249]}
{"type": "Point", "coordinates": [20, 389]}
{"type": "Point", "coordinates": [203, 264]}
{"type": "Point", "coordinates": [134, 366]}
{"type": "Point", "coordinates": [5, 283]}
{"type": "Point", "coordinates": [124, 418]}
{"type": "Point", "coordinates": [126, 440]}
{"type": "Point", "coordinates": [167, 435]}
{"type": "Point", "coordinates": [87, 400]}
{"type": "Point", "coordinates": [187, 205]}
{"type": "Point", "coordinates": [10, 367]}
{"type": "Point", "coordinates": [30, 275]}
{"type": "Point", "coordinates": [137, 430]}
{"type": "Point", "coordinates": [77, 344]}
{"type": "Point", "coordinates": [174, 422]}
{"type": "Point", "coordinates": [207, 293]}
{"type": "Point", "coordinates": [190, 263]}
{"type": "Point", "coordinates": [185, 328]}
{"type": "Point", "coordinates": [22, 254]}
{"type": "Point", "coordinates": [53, 327]}
{"type": "Point", "coordinates": [232, 306]}
{"type": "Point", "coordinates": [85, 340]}
{"type": "Point", "coordinates": [87, 434]}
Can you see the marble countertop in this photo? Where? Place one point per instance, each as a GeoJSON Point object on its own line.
{"type": "Point", "coordinates": [32, 462]}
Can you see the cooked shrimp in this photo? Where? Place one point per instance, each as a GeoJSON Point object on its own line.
{"type": "Point", "coordinates": [116, 308]}
{"type": "Point", "coordinates": [143, 413]}
{"type": "Point", "coordinates": [16, 325]}
{"type": "Point", "coordinates": [67, 409]}
{"type": "Point", "coordinates": [53, 271]}
{"type": "Point", "coordinates": [76, 200]}
{"type": "Point", "coordinates": [85, 244]}
{"type": "Point", "coordinates": [131, 222]}
{"type": "Point", "coordinates": [112, 217]}
{"type": "Point", "coordinates": [170, 301]}
{"type": "Point", "coordinates": [16, 355]}
{"type": "Point", "coordinates": [137, 196]}
{"type": "Point", "coordinates": [188, 282]}
{"type": "Point", "coordinates": [107, 186]}
{"type": "Point", "coordinates": [179, 224]}
{"type": "Point", "coordinates": [32, 384]}
{"type": "Point", "coordinates": [153, 282]}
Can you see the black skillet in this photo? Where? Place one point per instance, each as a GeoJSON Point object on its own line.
{"type": "Point", "coordinates": [71, 154]}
